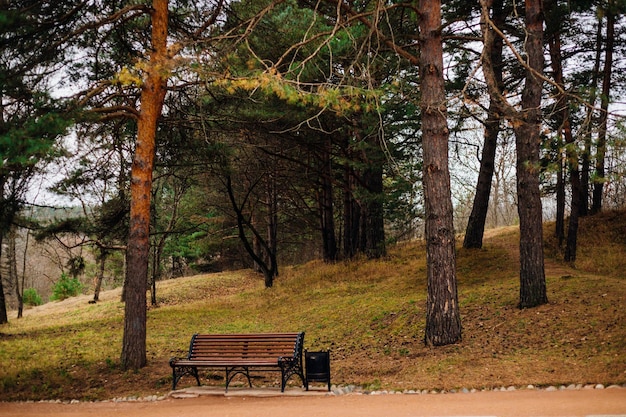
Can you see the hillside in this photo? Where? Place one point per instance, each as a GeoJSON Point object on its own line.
{"type": "Point", "coordinates": [369, 313]}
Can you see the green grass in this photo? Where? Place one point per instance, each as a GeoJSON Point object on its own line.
{"type": "Point", "coordinates": [371, 314]}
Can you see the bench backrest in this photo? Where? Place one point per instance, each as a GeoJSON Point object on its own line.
{"type": "Point", "coordinates": [255, 346]}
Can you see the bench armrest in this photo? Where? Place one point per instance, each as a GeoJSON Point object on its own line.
{"type": "Point", "coordinates": [174, 359]}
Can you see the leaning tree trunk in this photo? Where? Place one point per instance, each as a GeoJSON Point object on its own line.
{"type": "Point", "coordinates": [476, 224]}
{"type": "Point", "coordinates": [443, 322]}
{"type": "Point", "coordinates": [152, 95]}
{"type": "Point", "coordinates": [528, 144]}
{"type": "Point", "coordinates": [263, 255]}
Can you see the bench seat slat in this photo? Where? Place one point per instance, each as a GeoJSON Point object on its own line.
{"type": "Point", "coordinates": [235, 351]}
{"type": "Point", "coordinates": [259, 348]}
{"type": "Point", "coordinates": [216, 363]}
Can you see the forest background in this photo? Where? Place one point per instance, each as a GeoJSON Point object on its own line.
{"type": "Point", "coordinates": [288, 131]}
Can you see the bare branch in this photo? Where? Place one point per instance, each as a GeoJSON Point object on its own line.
{"type": "Point", "coordinates": [117, 111]}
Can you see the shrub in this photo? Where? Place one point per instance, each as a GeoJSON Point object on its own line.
{"type": "Point", "coordinates": [66, 287]}
{"type": "Point", "coordinates": [31, 297]}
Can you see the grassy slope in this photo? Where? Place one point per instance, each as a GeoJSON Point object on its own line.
{"type": "Point", "coordinates": [369, 313]}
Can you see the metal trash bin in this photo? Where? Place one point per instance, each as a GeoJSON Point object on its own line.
{"type": "Point", "coordinates": [317, 366]}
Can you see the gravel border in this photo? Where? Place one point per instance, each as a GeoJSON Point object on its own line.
{"type": "Point", "coordinates": [347, 390]}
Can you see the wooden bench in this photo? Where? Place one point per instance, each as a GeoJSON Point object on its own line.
{"type": "Point", "coordinates": [237, 353]}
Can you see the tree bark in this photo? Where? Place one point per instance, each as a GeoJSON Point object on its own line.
{"type": "Point", "coordinates": [152, 95]}
{"type": "Point", "coordinates": [588, 125]}
{"type": "Point", "coordinates": [12, 266]}
{"type": "Point", "coordinates": [100, 276]}
{"type": "Point", "coordinates": [476, 223]}
{"type": "Point", "coordinates": [351, 215]}
{"type": "Point", "coordinates": [4, 318]}
{"type": "Point", "coordinates": [443, 322]}
{"type": "Point", "coordinates": [563, 115]}
{"type": "Point", "coordinates": [373, 221]}
{"type": "Point", "coordinates": [272, 228]}
{"type": "Point", "coordinates": [598, 186]}
{"type": "Point", "coordinates": [22, 284]}
{"type": "Point", "coordinates": [559, 230]}
{"type": "Point", "coordinates": [326, 206]}
{"type": "Point", "coordinates": [572, 228]}
{"type": "Point", "coordinates": [528, 143]}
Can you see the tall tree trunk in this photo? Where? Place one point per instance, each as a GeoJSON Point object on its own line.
{"type": "Point", "coordinates": [443, 322]}
{"type": "Point", "coordinates": [4, 318]}
{"type": "Point", "coordinates": [559, 230]}
{"type": "Point", "coordinates": [100, 275]}
{"type": "Point", "coordinates": [156, 270]}
{"type": "Point", "coordinates": [22, 284]}
{"type": "Point", "coordinates": [561, 115]}
{"type": "Point", "coordinates": [373, 224]}
{"type": "Point", "coordinates": [6, 218]}
{"type": "Point", "coordinates": [528, 144]}
{"type": "Point", "coordinates": [598, 186]}
{"type": "Point", "coordinates": [571, 159]}
{"type": "Point", "coordinates": [572, 228]}
{"type": "Point", "coordinates": [13, 275]}
{"type": "Point", "coordinates": [272, 229]}
{"type": "Point", "coordinates": [588, 125]}
{"type": "Point", "coordinates": [476, 224]}
{"type": "Point", "coordinates": [326, 206]}
{"type": "Point", "coordinates": [351, 215]}
{"type": "Point", "coordinates": [152, 95]}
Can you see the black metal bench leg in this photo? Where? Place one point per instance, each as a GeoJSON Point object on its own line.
{"type": "Point", "coordinates": [287, 370]}
{"type": "Point", "coordinates": [180, 371]}
{"type": "Point", "coordinates": [235, 370]}
{"type": "Point", "coordinates": [195, 373]}
{"type": "Point", "coordinates": [282, 380]}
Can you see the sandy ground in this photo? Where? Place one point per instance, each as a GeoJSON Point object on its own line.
{"type": "Point", "coordinates": [608, 402]}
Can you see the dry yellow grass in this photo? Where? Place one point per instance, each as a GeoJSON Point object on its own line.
{"type": "Point", "coordinates": [369, 313]}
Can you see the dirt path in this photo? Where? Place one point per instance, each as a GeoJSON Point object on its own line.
{"type": "Point", "coordinates": [608, 402]}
